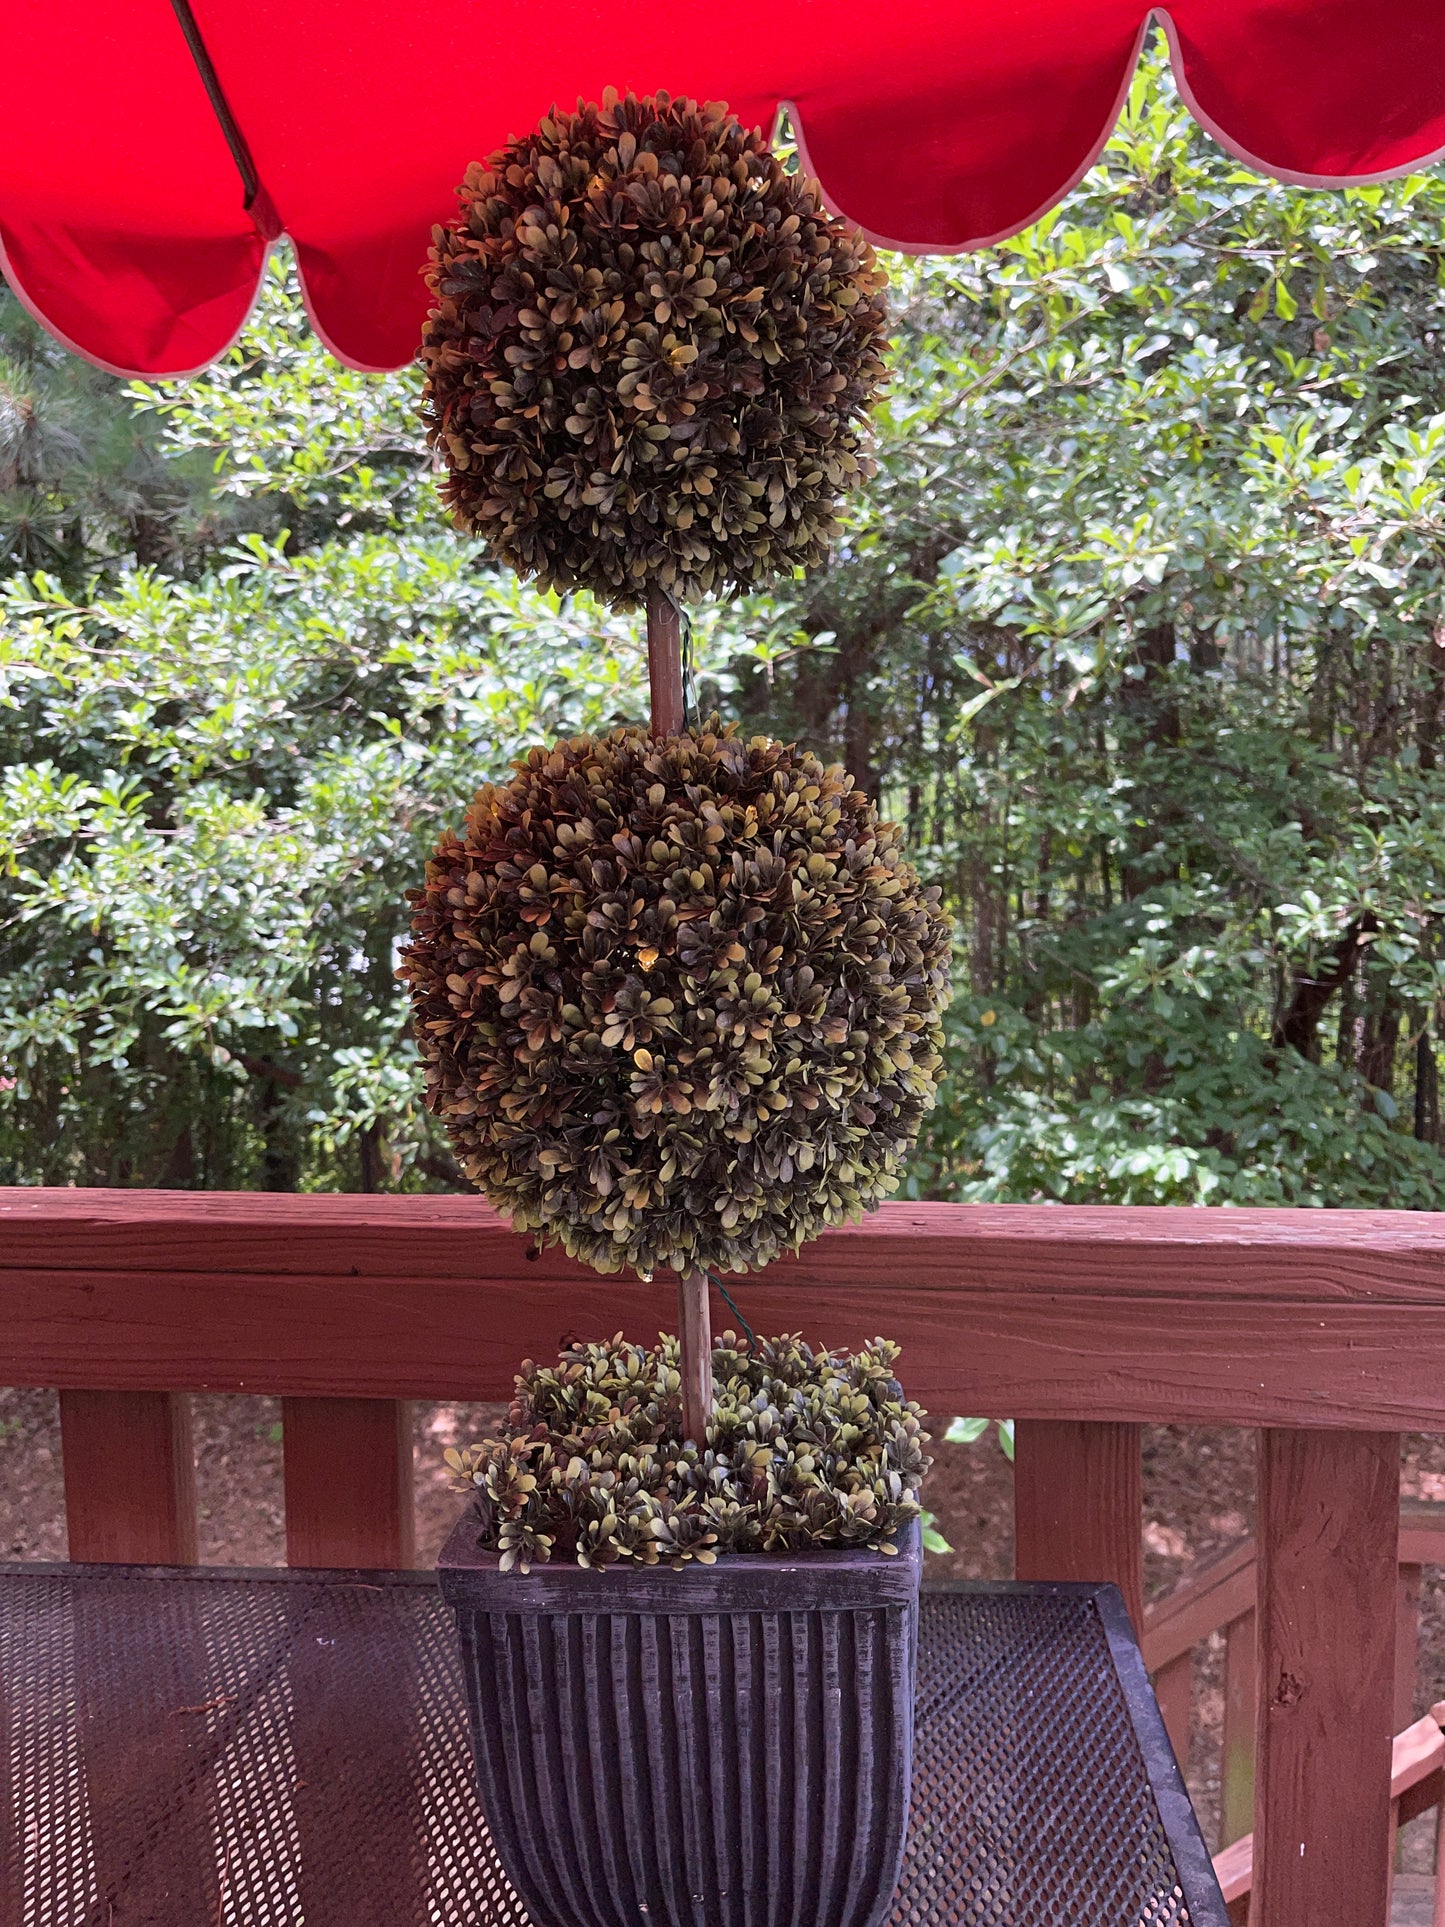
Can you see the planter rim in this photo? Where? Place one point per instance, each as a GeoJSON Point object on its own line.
{"type": "Point", "coordinates": [738, 1582]}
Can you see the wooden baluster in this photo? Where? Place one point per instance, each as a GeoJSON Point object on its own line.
{"type": "Point", "coordinates": [1236, 1768]}
{"type": "Point", "coordinates": [1328, 1539]}
{"type": "Point", "coordinates": [1078, 1504]}
{"type": "Point", "coordinates": [348, 1470]}
{"type": "Point", "coordinates": [1407, 1642]}
{"type": "Point", "coordinates": [130, 1477]}
{"type": "Point", "coordinates": [1174, 1690]}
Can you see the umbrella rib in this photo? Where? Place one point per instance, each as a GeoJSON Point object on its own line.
{"type": "Point", "coordinates": [235, 139]}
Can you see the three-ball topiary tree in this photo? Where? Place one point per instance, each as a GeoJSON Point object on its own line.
{"type": "Point", "coordinates": [677, 993]}
{"type": "Point", "coordinates": [678, 1001]}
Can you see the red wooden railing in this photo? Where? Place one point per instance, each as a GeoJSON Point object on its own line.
{"type": "Point", "coordinates": [1219, 1596]}
{"type": "Point", "coordinates": [1417, 1756]}
{"type": "Point", "coordinates": [1324, 1329]}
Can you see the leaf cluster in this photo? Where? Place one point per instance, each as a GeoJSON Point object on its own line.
{"type": "Point", "coordinates": [804, 1450]}
{"type": "Point", "coordinates": [678, 1000]}
{"type": "Point", "coordinates": [1138, 629]}
{"type": "Point", "coordinates": [651, 354]}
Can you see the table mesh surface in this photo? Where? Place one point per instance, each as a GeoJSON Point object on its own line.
{"type": "Point", "coordinates": [222, 1750]}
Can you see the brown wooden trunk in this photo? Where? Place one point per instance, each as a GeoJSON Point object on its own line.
{"type": "Point", "coordinates": [694, 1327]}
{"type": "Point", "coordinates": [664, 663]}
{"type": "Point", "coordinates": [669, 716]}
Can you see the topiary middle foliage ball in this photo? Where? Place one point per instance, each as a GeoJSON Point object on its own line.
{"type": "Point", "coordinates": [650, 355]}
{"type": "Point", "coordinates": [678, 1001]}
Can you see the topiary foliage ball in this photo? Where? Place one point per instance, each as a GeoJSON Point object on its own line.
{"type": "Point", "coordinates": [679, 1001]}
{"type": "Point", "coordinates": [650, 355]}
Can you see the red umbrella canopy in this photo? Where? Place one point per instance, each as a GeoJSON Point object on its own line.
{"type": "Point", "coordinates": [150, 151]}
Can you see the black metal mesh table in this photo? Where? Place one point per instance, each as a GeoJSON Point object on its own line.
{"type": "Point", "coordinates": [215, 1748]}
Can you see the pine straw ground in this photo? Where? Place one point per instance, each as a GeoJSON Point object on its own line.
{"type": "Point", "coordinates": [1198, 1498]}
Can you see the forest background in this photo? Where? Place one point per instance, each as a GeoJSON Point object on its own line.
{"type": "Point", "coordinates": [1140, 629]}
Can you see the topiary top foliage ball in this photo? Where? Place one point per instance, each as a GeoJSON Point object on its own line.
{"type": "Point", "coordinates": [678, 1001]}
{"type": "Point", "coordinates": [651, 353]}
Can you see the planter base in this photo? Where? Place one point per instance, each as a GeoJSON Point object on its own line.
{"type": "Point", "coordinates": [726, 1746]}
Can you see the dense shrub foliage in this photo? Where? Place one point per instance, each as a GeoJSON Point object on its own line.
{"type": "Point", "coordinates": [679, 1001]}
{"type": "Point", "coordinates": [804, 1450]}
{"type": "Point", "coordinates": [651, 354]}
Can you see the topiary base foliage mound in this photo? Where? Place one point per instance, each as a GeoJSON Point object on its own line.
{"type": "Point", "coordinates": [804, 1450]}
{"type": "Point", "coordinates": [678, 1002]}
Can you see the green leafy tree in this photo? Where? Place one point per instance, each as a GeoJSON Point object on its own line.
{"type": "Point", "coordinates": [86, 484]}
{"type": "Point", "coordinates": [219, 781]}
{"type": "Point", "coordinates": [1142, 630]}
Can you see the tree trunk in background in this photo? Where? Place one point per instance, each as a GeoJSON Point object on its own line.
{"type": "Point", "coordinates": [180, 1171]}
{"type": "Point", "coordinates": [1155, 716]}
{"type": "Point", "coordinates": [1298, 1022]}
{"type": "Point", "coordinates": [834, 712]}
{"type": "Point", "coordinates": [279, 1167]}
{"type": "Point", "coordinates": [1427, 1090]}
{"type": "Point", "coordinates": [369, 1145]}
{"type": "Point", "coordinates": [1382, 1038]}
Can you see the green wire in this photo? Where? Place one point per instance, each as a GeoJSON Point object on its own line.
{"type": "Point", "coordinates": [731, 1304]}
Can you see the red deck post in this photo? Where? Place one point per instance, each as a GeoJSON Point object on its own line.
{"type": "Point", "coordinates": [130, 1477]}
{"type": "Point", "coordinates": [348, 1471]}
{"type": "Point", "coordinates": [1328, 1540]}
{"type": "Point", "coordinates": [1078, 1504]}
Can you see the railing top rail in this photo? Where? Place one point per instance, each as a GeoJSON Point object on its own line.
{"type": "Point", "coordinates": [1250, 1317]}
{"type": "Point", "coordinates": [1089, 1247]}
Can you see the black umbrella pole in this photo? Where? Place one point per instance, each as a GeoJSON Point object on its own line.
{"type": "Point", "coordinates": [694, 1321]}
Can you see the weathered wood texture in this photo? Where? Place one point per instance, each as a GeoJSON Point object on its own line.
{"type": "Point", "coordinates": [1414, 1782]}
{"type": "Point", "coordinates": [1241, 1719]}
{"type": "Point", "coordinates": [694, 1333]}
{"type": "Point", "coordinates": [1174, 1690]}
{"type": "Point", "coordinates": [1078, 1504]}
{"type": "Point", "coordinates": [1407, 1639]}
{"type": "Point", "coordinates": [130, 1477]}
{"type": "Point", "coordinates": [1277, 1317]}
{"type": "Point", "coordinates": [1328, 1537]}
{"type": "Point", "coordinates": [1211, 1595]}
{"type": "Point", "coordinates": [348, 1474]}
{"type": "Point", "coordinates": [1206, 1598]}
{"type": "Point", "coordinates": [1220, 1595]}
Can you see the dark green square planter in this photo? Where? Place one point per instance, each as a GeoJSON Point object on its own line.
{"type": "Point", "coordinates": [725, 1746]}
